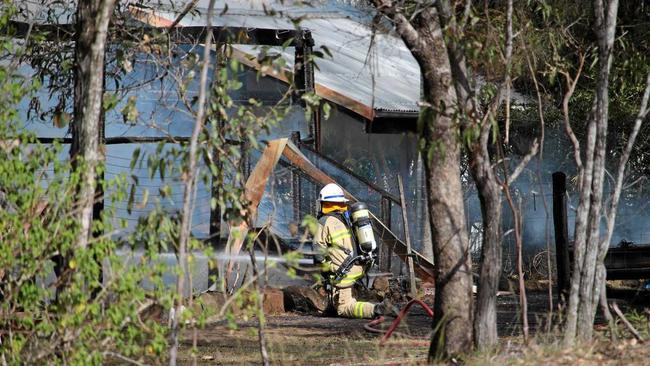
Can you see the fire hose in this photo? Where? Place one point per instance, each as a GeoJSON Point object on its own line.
{"type": "Point", "coordinates": [370, 326]}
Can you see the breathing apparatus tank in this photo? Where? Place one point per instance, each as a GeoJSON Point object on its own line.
{"type": "Point", "coordinates": [362, 227]}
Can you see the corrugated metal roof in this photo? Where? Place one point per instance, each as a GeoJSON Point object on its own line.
{"type": "Point", "coordinates": [378, 72]}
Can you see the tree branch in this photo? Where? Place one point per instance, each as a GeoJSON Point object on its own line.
{"type": "Point", "coordinates": [404, 28]}
{"type": "Point", "coordinates": [190, 181]}
{"type": "Point", "coordinates": [508, 56]}
{"type": "Point", "coordinates": [182, 15]}
{"type": "Point", "coordinates": [122, 358]}
{"type": "Point", "coordinates": [571, 87]}
{"type": "Point", "coordinates": [466, 13]}
{"type": "Point", "coordinates": [537, 143]}
{"type": "Point", "coordinates": [629, 326]}
{"type": "Point", "coordinates": [618, 187]}
{"type": "Point", "coordinates": [464, 91]}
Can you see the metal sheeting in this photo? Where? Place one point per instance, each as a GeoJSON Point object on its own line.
{"type": "Point", "coordinates": [378, 72]}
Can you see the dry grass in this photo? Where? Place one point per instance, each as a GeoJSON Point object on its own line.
{"type": "Point", "coordinates": [305, 340]}
{"type": "Point", "coordinates": [600, 352]}
{"type": "Point", "coordinates": [302, 340]}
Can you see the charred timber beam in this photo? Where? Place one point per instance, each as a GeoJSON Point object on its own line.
{"type": "Point", "coordinates": [625, 263]}
{"type": "Point", "coordinates": [303, 68]}
{"type": "Point", "coordinates": [628, 273]}
{"type": "Point", "coordinates": [303, 80]}
{"type": "Point", "coordinates": [561, 235]}
{"type": "Point", "coordinates": [632, 259]}
{"type": "Point", "coordinates": [179, 35]}
{"type": "Point", "coordinates": [383, 124]}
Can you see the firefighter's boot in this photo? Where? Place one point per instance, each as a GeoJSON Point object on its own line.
{"type": "Point", "coordinates": [385, 307]}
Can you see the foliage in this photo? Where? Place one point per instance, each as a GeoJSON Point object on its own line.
{"type": "Point", "coordinates": [79, 318]}
{"type": "Point", "coordinates": [557, 33]}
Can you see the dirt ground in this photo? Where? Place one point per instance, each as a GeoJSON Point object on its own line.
{"type": "Point", "coordinates": [298, 339]}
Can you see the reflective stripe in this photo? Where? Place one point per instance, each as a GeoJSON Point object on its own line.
{"type": "Point", "coordinates": [334, 196]}
{"type": "Point", "coordinates": [326, 266]}
{"type": "Point", "coordinates": [340, 234]}
{"type": "Point", "coordinates": [358, 310]}
{"type": "Point", "coordinates": [354, 277]}
{"type": "Point", "coordinates": [345, 282]}
{"type": "Point", "coordinates": [350, 279]}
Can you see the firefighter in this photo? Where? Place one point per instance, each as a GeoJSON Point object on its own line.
{"type": "Point", "coordinates": [334, 244]}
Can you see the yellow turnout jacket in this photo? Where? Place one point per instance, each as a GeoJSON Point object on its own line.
{"type": "Point", "coordinates": [333, 241]}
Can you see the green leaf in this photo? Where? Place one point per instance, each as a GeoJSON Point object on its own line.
{"type": "Point", "coordinates": [130, 112]}
{"type": "Point", "coordinates": [134, 157]}
{"type": "Point", "coordinates": [326, 51]}
{"type": "Point", "coordinates": [162, 165]}
{"type": "Point", "coordinates": [234, 65]}
{"type": "Point", "coordinates": [110, 101]}
{"type": "Point", "coordinates": [129, 205]}
{"type": "Point", "coordinates": [326, 110]}
{"type": "Point", "coordinates": [145, 197]}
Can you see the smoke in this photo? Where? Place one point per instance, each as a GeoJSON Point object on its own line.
{"type": "Point", "coordinates": [533, 190]}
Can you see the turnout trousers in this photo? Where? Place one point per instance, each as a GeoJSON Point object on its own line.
{"type": "Point", "coordinates": [347, 306]}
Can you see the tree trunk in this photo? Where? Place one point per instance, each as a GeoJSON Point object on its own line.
{"type": "Point", "coordinates": [483, 174]}
{"type": "Point", "coordinates": [485, 322]}
{"type": "Point", "coordinates": [452, 322]}
{"type": "Point", "coordinates": [92, 27]}
{"type": "Point", "coordinates": [606, 31]}
{"type": "Point", "coordinates": [438, 132]}
{"type": "Point", "coordinates": [579, 241]}
{"type": "Point", "coordinates": [589, 270]}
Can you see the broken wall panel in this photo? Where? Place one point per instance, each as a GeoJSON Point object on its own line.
{"type": "Point", "coordinates": [379, 159]}
{"type": "Point", "coordinates": [356, 187]}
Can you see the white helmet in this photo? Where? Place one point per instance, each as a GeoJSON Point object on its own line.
{"type": "Point", "coordinates": [332, 193]}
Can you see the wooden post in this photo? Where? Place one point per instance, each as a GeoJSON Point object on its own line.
{"type": "Point", "coordinates": [385, 253]}
{"type": "Point", "coordinates": [407, 238]}
{"type": "Point", "coordinates": [295, 183]}
{"type": "Point", "coordinates": [299, 82]}
{"type": "Point", "coordinates": [561, 236]}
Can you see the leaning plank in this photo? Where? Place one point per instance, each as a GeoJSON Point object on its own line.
{"type": "Point", "coordinates": [423, 267]}
{"type": "Point", "coordinates": [254, 190]}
